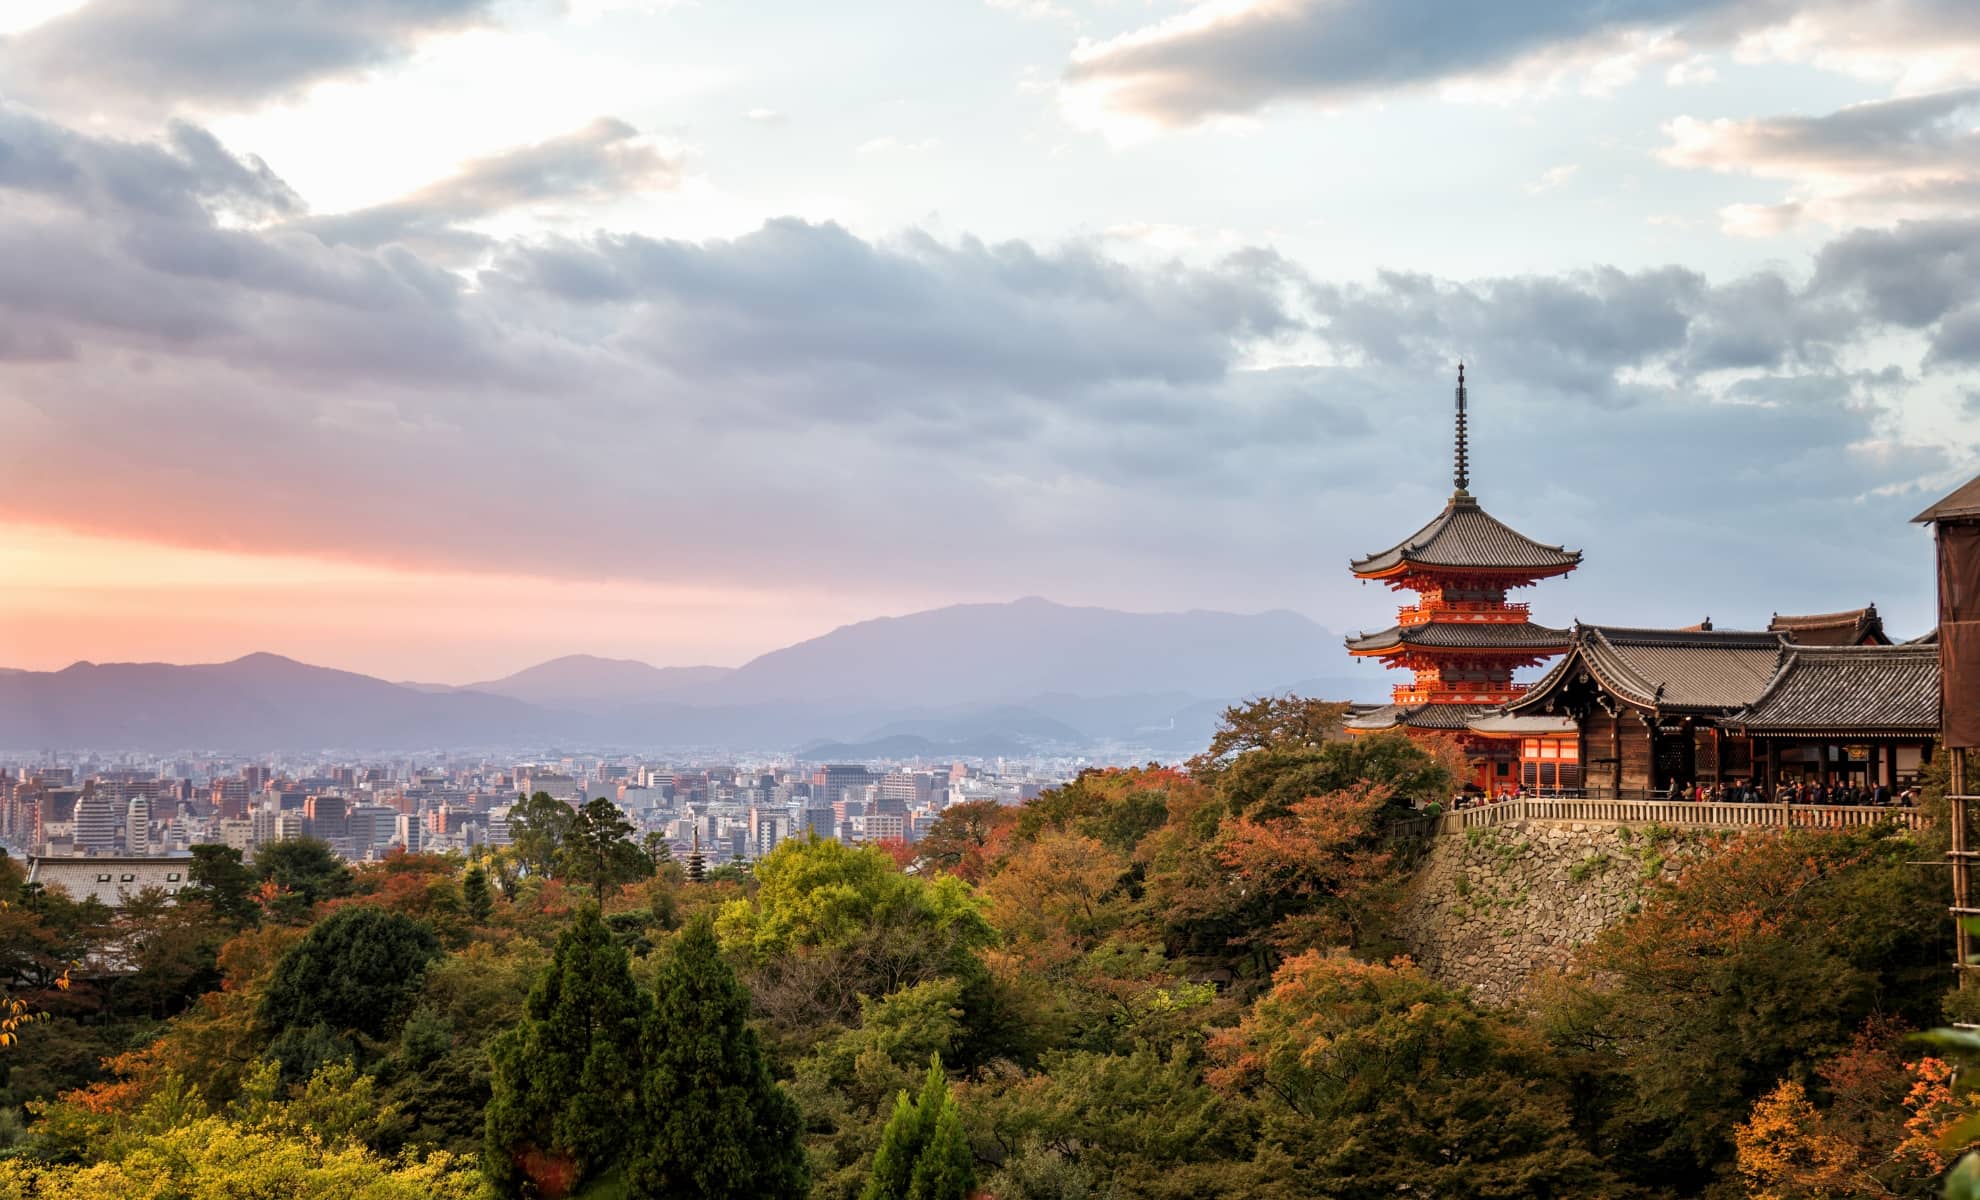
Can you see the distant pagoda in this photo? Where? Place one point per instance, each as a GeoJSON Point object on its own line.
{"type": "Point", "coordinates": [1462, 639]}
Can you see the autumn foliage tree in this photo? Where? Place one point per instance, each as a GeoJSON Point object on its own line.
{"type": "Point", "coordinates": [1375, 1081]}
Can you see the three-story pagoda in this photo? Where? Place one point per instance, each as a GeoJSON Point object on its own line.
{"type": "Point", "coordinates": [1461, 639]}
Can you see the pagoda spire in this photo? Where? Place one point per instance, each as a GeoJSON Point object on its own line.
{"type": "Point", "coordinates": [1462, 476]}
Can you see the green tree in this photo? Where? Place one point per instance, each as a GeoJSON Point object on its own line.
{"type": "Point", "coordinates": [599, 850]}
{"type": "Point", "coordinates": [566, 1077]}
{"type": "Point", "coordinates": [306, 871]}
{"type": "Point", "coordinates": [712, 1122]}
{"type": "Point", "coordinates": [355, 972]}
{"type": "Point", "coordinates": [476, 896]}
{"type": "Point", "coordinates": [224, 881]}
{"type": "Point", "coordinates": [1270, 723]}
{"type": "Point", "coordinates": [538, 826]}
{"type": "Point", "coordinates": [831, 923]}
{"type": "Point", "coordinates": [923, 1154]}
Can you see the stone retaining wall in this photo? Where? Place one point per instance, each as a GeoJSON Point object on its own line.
{"type": "Point", "coordinates": [1489, 908]}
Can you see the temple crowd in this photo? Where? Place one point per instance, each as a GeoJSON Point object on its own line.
{"type": "Point", "coordinates": [1815, 793]}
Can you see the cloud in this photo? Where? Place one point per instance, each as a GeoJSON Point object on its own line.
{"type": "Point", "coordinates": [602, 161]}
{"type": "Point", "coordinates": [1224, 58]}
{"type": "Point", "coordinates": [1916, 156]}
{"type": "Point", "coordinates": [1552, 178]}
{"type": "Point", "coordinates": [152, 56]}
{"type": "Point", "coordinates": [1920, 275]}
{"type": "Point", "coordinates": [815, 404]}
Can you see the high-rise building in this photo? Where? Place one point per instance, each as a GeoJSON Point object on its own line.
{"type": "Point", "coordinates": [904, 790]}
{"type": "Point", "coordinates": [831, 783]}
{"type": "Point", "coordinates": [95, 822]}
{"type": "Point", "coordinates": [137, 827]}
{"type": "Point", "coordinates": [238, 833]}
{"type": "Point", "coordinates": [328, 818]}
{"type": "Point", "coordinates": [767, 827]}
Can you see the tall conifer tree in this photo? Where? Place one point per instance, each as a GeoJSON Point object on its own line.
{"type": "Point", "coordinates": [923, 1154]}
{"type": "Point", "coordinates": [713, 1123]}
{"type": "Point", "coordinates": [566, 1078]}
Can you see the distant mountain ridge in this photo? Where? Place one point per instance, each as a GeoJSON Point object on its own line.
{"type": "Point", "coordinates": [1028, 673]}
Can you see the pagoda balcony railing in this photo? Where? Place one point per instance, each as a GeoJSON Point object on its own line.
{"type": "Point", "coordinates": [1486, 612]}
{"type": "Point", "coordinates": [1410, 693]}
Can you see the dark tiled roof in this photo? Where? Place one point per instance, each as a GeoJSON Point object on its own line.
{"type": "Point", "coordinates": [1451, 717]}
{"type": "Point", "coordinates": [1963, 503]}
{"type": "Point", "coordinates": [1463, 635]}
{"type": "Point", "coordinates": [1465, 535]}
{"type": "Point", "coordinates": [1667, 669]}
{"type": "Point", "coordinates": [1849, 689]}
{"type": "Point", "coordinates": [1832, 629]}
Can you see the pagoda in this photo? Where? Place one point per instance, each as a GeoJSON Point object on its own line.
{"type": "Point", "coordinates": [1461, 639]}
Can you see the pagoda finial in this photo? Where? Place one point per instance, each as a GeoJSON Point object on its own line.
{"type": "Point", "coordinates": [1463, 474]}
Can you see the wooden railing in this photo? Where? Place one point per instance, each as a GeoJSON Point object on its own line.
{"type": "Point", "coordinates": [1671, 812]}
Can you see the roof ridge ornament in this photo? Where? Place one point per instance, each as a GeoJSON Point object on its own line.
{"type": "Point", "coordinates": [1462, 476]}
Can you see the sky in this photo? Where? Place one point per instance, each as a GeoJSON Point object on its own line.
{"type": "Point", "coordinates": [433, 338]}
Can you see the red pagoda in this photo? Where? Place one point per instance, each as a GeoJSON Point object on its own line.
{"type": "Point", "coordinates": [1461, 639]}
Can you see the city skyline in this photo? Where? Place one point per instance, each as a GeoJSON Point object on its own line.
{"type": "Point", "coordinates": [732, 328]}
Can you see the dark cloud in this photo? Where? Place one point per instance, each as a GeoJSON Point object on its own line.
{"type": "Point", "coordinates": [189, 176]}
{"type": "Point", "coordinates": [155, 56]}
{"type": "Point", "coordinates": [1221, 59]}
{"type": "Point", "coordinates": [605, 159]}
{"type": "Point", "coordinates": [1911, 275]}
{"type": "Point", "coordinates": [805, 403]}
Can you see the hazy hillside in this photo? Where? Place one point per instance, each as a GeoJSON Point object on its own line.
{"type": "Point", "coordinates": [258, 702]}
{"type": "Point", "coordinates": [588, 683]}
{"type": "Point", "coordinates": [1029, 673]}
{"type": "Point", "coordinates": [989, 652]}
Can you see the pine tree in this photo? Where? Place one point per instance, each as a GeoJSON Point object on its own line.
{"type": "Point", "coordinates": [475, 896]}
{"type": "Point", "coordinates": [923, 1154]}
{"type": "Point", "coordinates": [566, 1077]}
{"type": "Point", "coordinates": [712, 1122]}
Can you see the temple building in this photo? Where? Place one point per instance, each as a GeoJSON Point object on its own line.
{"type": "Point", "coordinates": [1652, 708]}
{"type": "Point", "coordinates": [1461, 639]}
{"type": "Point", "coordinates": [1819, 698]}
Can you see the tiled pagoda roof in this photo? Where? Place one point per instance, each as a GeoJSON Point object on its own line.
{"type": "Point", "coordinates": [1465, 535]}
{"type": "Point", "coordinates": [1462, 635]}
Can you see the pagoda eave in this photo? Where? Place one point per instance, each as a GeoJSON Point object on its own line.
{"type": "Point", "coordinates": [1406, 576]}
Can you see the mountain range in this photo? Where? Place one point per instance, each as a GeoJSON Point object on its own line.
{"type": "Point", "coordinates": [965, 680]}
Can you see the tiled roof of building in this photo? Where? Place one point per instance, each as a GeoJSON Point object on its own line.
{"type": "Point", "coordinates": [1465, 535]}
{"type": "Point", "coordinates": [1462, 635]}
{"type": "Point", "coordinates": [1964, 503]}
{"type": "Point", "coordinates": [1851, 628]}
{"type": "Point", "coordinates": [1450, 717]}
{"type": "Point", "coordinates": [1868, 689]}
{"type": "Point", "coordinates": [1667, 669]}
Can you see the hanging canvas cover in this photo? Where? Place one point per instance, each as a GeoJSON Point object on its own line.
{"type": "Point", "coordinates": [1959, 632]}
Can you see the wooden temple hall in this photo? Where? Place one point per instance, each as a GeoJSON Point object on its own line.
{"type": "Point", "coordinates": [1823, 698]}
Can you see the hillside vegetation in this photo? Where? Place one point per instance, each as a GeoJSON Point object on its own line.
{"type": "Point", "coordinates": [1148, 983]}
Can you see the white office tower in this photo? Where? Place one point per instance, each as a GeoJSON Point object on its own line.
{"type": "Point", "coordinates": [289, 825]}
{"type": "Point", "coordinates": [137, 827]}
{"type": "Point", "coordinates": [498, 826]}
{"type": "Point", "coordinates": [238, 833]}
{"type": "Point", "coordinates": [410, 833]}
{"type": "Point", "coordinates": [95, 823]}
